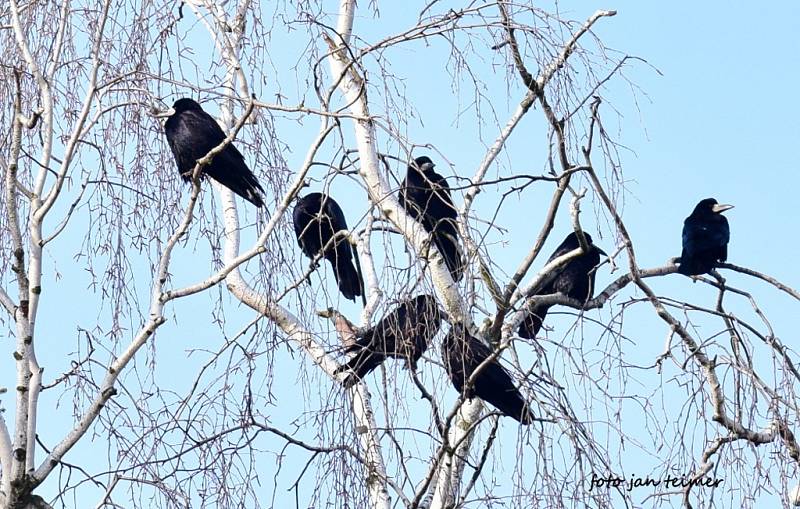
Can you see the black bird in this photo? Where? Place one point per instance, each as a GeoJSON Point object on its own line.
{"type": "Point", "coordinates": [192, 133]}
{"type": "Point", "coordinates": [462, 354]}
{"type": "Point", "coordinates": [705, 238]}
{"type": "Point", "coordinates": [403, 333]}
{"type": "Point", "coordinates": [317, 218]}
{"type": "Point", "coordinates": [575, 279]}
{"type": "Point", "coordinates": [426, 197]}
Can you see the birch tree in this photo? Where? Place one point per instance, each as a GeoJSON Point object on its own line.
{"type": "Point", "coordinates": [171, 347]}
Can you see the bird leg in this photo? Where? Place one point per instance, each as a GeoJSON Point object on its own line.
{"type": "Point", "coordinates": [717, 276]}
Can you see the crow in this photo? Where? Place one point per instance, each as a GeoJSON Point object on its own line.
{"type": "Point", "coordinates": [575, 279]}
{"type": "Point", "coordinates": [705, 238]}
{"type": "Point", "coordinates": [403, 333]}
{"type": "Point", "coordinates": [425, 196]}
{"type": "Point", "coordinates": [462, 354]}
{"type": "Point", "coordinates": [192, 133]}
{"type": "Point", "coordinates": [317, 218]}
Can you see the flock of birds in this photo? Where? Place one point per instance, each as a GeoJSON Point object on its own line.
{"type": "Point", "coordinates": [407, 330]}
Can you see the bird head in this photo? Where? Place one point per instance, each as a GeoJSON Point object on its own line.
{"type": "Point", "coordinates": [710, 205]}
{"type": "Point", "coordinates": [315, 197]}
{"type": "Point", "coordinates": [572, 242]}
{"type": "Point", "coordinates": [180, 105]}
{"type": "Point", "coordinates": [424, 164]}
{"type": "Point", "coordinates": [312, 203]}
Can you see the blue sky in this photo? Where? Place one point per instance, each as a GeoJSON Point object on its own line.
{"type": "Point", "coordinates": [713, 114]}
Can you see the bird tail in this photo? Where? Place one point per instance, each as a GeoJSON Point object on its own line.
{"type": "Point", "coordinates": [252, 195]}
{"type": "Point", "coordinates": [347, 278]}
{"type": "Point", "coordinates": [530, 327]}
{"type": "Point", "coordinates": [249, 189]}
{"type": "Point", "coordinates": [514, 406]}
{"type": "Point", "coordinates": [246, 186]}
{"type": "Point", "coordinates": [525, 415]}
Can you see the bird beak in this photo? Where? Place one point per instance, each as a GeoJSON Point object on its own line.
{"type": "Point", "coordinates": [600, 251]}
{"type": "Point", "coordinates": [718, 208]}
{"type": "Point", "coordinates": [164, 114]}
{"type": "Point", "coordinates": [428, 166]}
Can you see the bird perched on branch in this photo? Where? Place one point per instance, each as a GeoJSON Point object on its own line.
{"type": "Point", "coordinates": [705, 238]}
{"type": "Point", "coordinates": [317, 219]}
{"type": "Point", "coordinates": [575, 279]}
{"type": "Point", "coordinates": [462, 355]}
{"type": "Point", "coordinates": [192, 133]}
{"type": "Point", "coordinates": [403, 333]}
{"type": "Point", "coordinates": [425, 196]}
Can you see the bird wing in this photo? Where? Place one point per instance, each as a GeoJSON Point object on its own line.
{"type": "Point", "coordinates": [441, 193]}
{"type": "Point", "coordinates": [494, 384]}
{"type": "Point", "coordinates": [337, 222]}
{"type": "Point", "coordinates": [574, 279]}
{"type": "Point", "coordinates": [302, 218]}
{"type": "Point", "coordinates": [548, 285]}
{"type": "Point", "coordinates": [493, 377]}
{"type": "Point", "coordinates": [701, 235]}
{"type": "Point", "coordinates": [412, 195]}
{"type": "Point", "coordinates": [467, 355]}
{"type": "Point", "coordinates": [427, 195]}
{"type": "Point", "coordinates": [364, 360]}
{"type": "Point", "coordinates": [191, 135]}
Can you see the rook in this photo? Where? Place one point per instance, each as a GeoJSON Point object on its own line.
{"type": "Point", "coordinates": [317, 218]}
{"type": "Point", "coordinates": [403, 333]}
{"type": "Point", "coordinates": [192, 133]}
{"type": "Point", "coordinates": [575, 279]}
{"type": "Point", "coordinates": [462, 354]}
{"type": "Point", "coordinates": [705, 238]}
{"type": "Point", "coordinates": [426, 197]}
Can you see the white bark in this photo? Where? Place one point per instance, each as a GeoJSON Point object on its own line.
{"type": "Point", "coordinates": [158, 300]}
{"type": "Point", "coordinates": [344, 72]}
{"type": "Point", "coordinates": [451, 468]}
{"type": "Point", "coordinates": [376, 471]}
{"type": "Point", "coordinates": [46, 98]}
{"type": "Point", "coordinates": [6, 301]}
{"type": "Point", "coordinates": [22, 442]}
{"type": "Point", "coordinates": [5, 451]}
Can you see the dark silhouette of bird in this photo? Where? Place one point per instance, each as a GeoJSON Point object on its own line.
{"type": "Point", "coordinates": [403, 333]}
{"type": "Point", "coordinates": [462, 354]}
{"type": "Point", "coordinates": [192, 133]}
{"type": "Point", "coordinates": [575, 279]}
{"type": "Point", "coordinates": [705, 238]}
{"type": "Point", "coordinates": [317, 218]}
{"type": "Point", "coordinates": [426, 197]}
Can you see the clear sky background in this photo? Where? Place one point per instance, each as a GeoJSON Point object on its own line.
{"type": "Point", "coordinates": [714, 113]}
